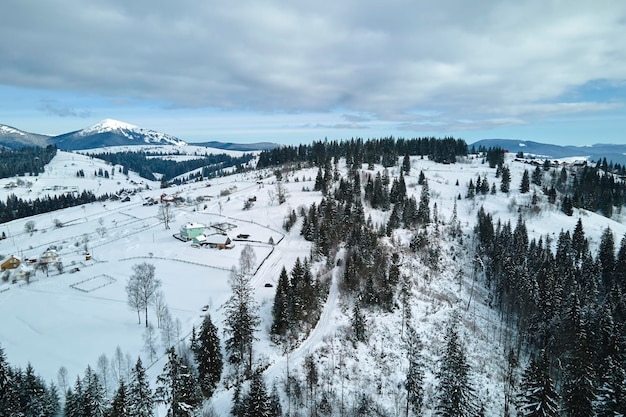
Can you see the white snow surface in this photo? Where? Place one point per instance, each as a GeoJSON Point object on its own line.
{"type": "Point", "coordinates": [50, 323]}
{"type": "Point", "coordinates": [11, 130]}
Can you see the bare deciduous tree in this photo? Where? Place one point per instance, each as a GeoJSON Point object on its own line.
{"type": "Point", "coordinates": [165, 214]}
{"type": "Point", "coordinates": [29, 227]}
{"type": "Point", "coordinates": [150, 342]}
{"type": "Point", "coordinates": [247, 259]}
{"type": "Point", "coordinates": [160, 307]}
{"type": "Point", "coordinates": [142, 287]}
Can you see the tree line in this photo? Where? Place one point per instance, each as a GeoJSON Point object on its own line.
{"type": "Point", "coordinates": [145, 165]}
{"type": "Point", "coordinates": [383, 151]}
{"type": "Point", "coordinates": [17, 208]}
{"type": "Point", "coordinates": [25, 161]}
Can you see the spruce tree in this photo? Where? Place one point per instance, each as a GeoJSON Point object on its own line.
{"type": "Point", "coordinates": [579, 375]}
{"type": "Point", "coordinates": [177, 388]}
{"type": "Point", "coordinates": [93, 395]}
{"type": "Point", "coordinates": [358, 323]}
{"type": "Point", "coordinates": [208, 357]}
{"type": "Point", "coordinates": [120, 406]}
{"type": "Point", "coordinates": [525, 184]}
{"type": "Point", "coordinates": [140, 396]}
{"type": "Point", "coordinates": [423, 210]}
{"type": "Point", "coordinates": [414, 383]}
{"type": "Point", "coordinates": [9, 397]}
{"type": "Point", "coordinates": [406, 164]}
{"type": "Point", "coordinates": [280, 309]}
{"type": "Point", "coordinates": [506, 180]}
{"type": "Point", "coordinates": [606, 256]}
{"type": "Point", "coordinates": [455, 395]}
{"type": "Point", "coordinates": [257, 402]}
{"type": "Point", "coordinates": [538, 396]}
{"type": "Point", "coordinates": [241, 320]}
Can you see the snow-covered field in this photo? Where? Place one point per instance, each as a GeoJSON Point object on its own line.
{"type": "Point", "coordinates": [69, 319]}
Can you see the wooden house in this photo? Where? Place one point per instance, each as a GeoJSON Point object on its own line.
{"type": "Point", "coordinates": [11, 263]}
{"type": "Point", "coordinates": [217, 241]}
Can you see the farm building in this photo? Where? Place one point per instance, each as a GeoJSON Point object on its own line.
{"type": "Point", "coordinates": [191, 230]}
{"type": "Point", "coordinates": [50, 256]}
{"type": "Point", "coordinates": [11, 263]}
{"type": "Point", "coordinates": [216, 240]}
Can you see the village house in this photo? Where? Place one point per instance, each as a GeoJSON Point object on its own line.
{"type": "Point", "coordinates": [50, 256]}
{"type": "Point", "coordinates": [216, 241]}
{"type": "Point", "coordinates": [191, 230]}
{"type": "Point", "coordinates": [11, 263]}
{"type": "Point", "coordinates": [23, 272]}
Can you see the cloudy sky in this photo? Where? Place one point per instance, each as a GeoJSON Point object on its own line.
{"type": "Point", "coordinates": [296, 71]}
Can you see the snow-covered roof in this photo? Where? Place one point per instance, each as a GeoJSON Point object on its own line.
{"type": "Point", "coordinates": [192, 225]}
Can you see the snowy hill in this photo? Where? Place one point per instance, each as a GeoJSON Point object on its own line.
{"type": "Point", "coordinates": [73, 317]}
{"type": "Point", "coordinates": [111, 132]}
{"type": "Point", "coordinates": [12, 138]}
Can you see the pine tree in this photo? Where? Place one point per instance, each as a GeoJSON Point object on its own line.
{"type": "Point", "coordinates": [619, 270]}
{"type": "Point", "coordinates": [567, 206]}
{"type": "Point", "coordinates": [538, 397]}
{"type": "Point", "coordinates": [257, 402]}
{"type": "Point", "coordinates": [208, 357]}
{"type": "Point", "coordinates": [455, 395]}
{"type": "Point", "coordinates": [506, 179]}
{"type": "Point", "coordinates": [525, 184]}
{"type": "Point", "coordinates": [241, 320]}
{"type": "Point", "coordinates": [606, 256]}
{"type": "Point", "coordinates": [9, 398]}
{"type": "Point", "coordinates": [406, 164]}
{"type": "Point", "coordinates": [423, 210]}
{"type": "Point", "coordinates": [93, 395]}
{"type": "Point", "coordinates": [537, 176]}
{"type": "Point", "coordinates": [140, 397]}
{"type": "Point", "coordinates": [237, 409]}
{"type": "Point", "coordinates": [120, 406]}
{"type": "Point", "coordinates": [358, 323]}
{"type": "Point", "coordinates": [177, 387]}
{"type": "Point", "coordinates": [280, 309]}
{"type": "Point", "coordinates": [414, 383]}
{"type": "Point", "coordinates": [579, 376]}
{"type": "Point", "coordinates": [610, 400]}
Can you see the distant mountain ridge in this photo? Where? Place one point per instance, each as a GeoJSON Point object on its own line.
{"type": "Point", "coordinates": [109, 132]}
{"type": "Point", "coordinates": [244, 147]}
{"type": "Point", "coordinates": [12, 138]}
{"type": "Point", "coordinates": [612, 152]}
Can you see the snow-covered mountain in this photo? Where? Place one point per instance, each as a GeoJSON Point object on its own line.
{"type": "Point", "coordinates": [12, 138]}
{"type": "Point", "coordinates": [111, 132]}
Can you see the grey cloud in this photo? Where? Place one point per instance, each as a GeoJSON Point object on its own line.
{"type": "Point", "coordinates": [383, 59]}
{"type": "Point", "coordinates": [56, 109]}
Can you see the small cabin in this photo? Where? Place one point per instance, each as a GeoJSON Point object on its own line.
{"type": "Point", "coordinates": [191, 230]}
{"type": "Point", "coordinates": [11, 263]}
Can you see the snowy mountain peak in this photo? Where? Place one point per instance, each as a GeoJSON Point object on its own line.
{"type": "Point", "coordinates": [110, 132]}
{"type": "Point", "coordinates": [108, 125]}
